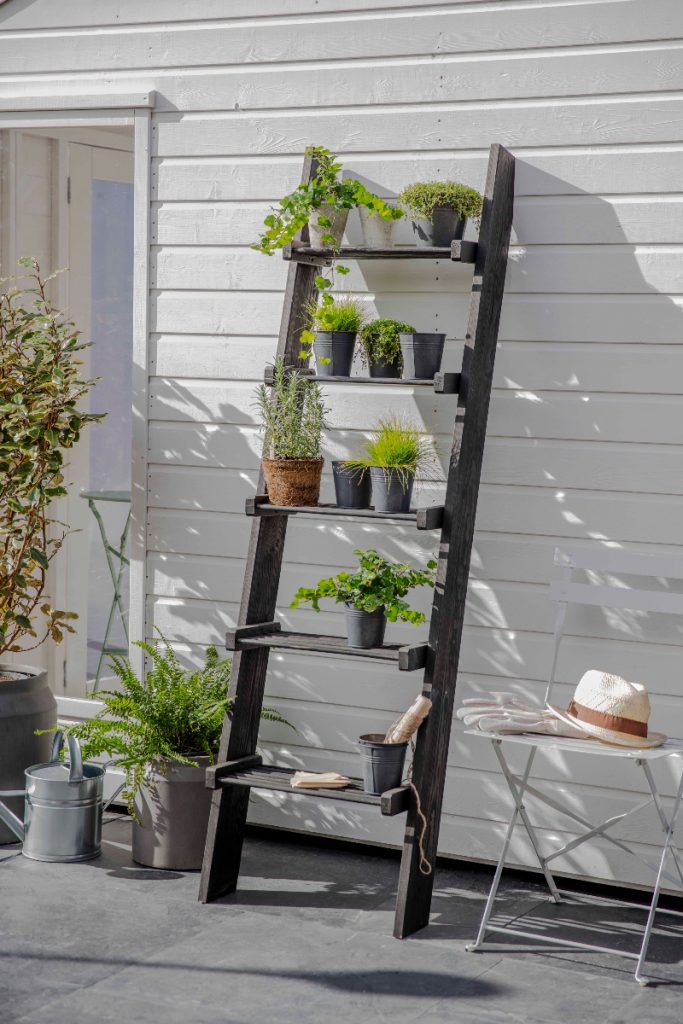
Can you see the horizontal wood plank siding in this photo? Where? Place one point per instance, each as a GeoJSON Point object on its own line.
{"type": "Point", "coordinates": [585, 434]}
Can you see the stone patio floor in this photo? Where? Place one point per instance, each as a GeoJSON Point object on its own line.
{"type": "Point", "coordinates": [306, 940]}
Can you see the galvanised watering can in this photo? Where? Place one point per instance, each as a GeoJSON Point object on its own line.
{"type": "Point", "coordinates": [63, 808]}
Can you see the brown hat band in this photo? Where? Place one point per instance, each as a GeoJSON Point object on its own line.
{"type": "Point", "coordinates": [605, 721]}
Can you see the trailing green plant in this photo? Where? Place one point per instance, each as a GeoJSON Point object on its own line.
{"type": "Point", "coordinates": [422, 197]}
{"type": "Point", "coordinates": [376, 583]}
{"type": "Point", "coordinates": [326, 188]}
{"type": "Point", "coordinates": [292, 414]}
{"type": "Point", "coordinates": [398, 446]}
{"type": "Point", "coordinates": [175, 715]}
{"type": "Point", "coordinates": [41, 390]}
{"type": "Point", "coordinates": [379, 342]}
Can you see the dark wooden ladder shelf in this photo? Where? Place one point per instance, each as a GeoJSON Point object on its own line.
{"type": "Point", "coordinates": [239, 767]}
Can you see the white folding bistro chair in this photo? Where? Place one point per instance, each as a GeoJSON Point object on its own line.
{"type": "Point", "coordinates": [566, 591]}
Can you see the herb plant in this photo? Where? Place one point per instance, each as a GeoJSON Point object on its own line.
{"type": "Point", "coordinates": [398, 446]}
{"type": "Point", "coordinates": [41, 391]}
{"type": "Point", "coordinates": [379, 342]}
{"type": "Point", "coordinates": [175, 715]}
{"type": "Point", "coordinates": [422, 197]}
{"type": "Point", "coordinates": [376, 583]}
{"type": "Point", "coordinates": [293, 415]}
{"type": "Point", "coordinates": [342, 314]}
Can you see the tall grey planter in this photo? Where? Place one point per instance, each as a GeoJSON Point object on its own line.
{"type": "Point", "coordinates": [174, 816]}
{"type": "Point", "coordinates": [26, 704]}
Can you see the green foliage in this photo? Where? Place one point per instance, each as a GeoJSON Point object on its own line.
{"type": "Point", "coordinates": [376, 583]}
{"type": "Point", "coordinates": [175, 715]}
{"type": "Point", "coordinates": [343, 314]}
{"type": "Point", "coordinates": [40, 418]}
{"type": "Point", "coordinates": [379, 342]}
{"type": "Point", "coordinates": [398, 445]}
{"type": "Point", "coordinates": [423, 196]}
{"type": "Point", "coordinates": [326, 188]}
{"type": "Point", "coordinates": [293, 415]}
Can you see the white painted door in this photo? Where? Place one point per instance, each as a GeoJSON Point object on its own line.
{"type": "Point", "coordinates": [100, 289]}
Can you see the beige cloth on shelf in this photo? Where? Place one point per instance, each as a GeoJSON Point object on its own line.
{"type": "Point", "coordinates": [318, 780]}
{"type": "Point", "coordinates": [506, 713]}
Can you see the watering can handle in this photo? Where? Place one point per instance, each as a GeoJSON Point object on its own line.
{"type": "Point", "coordinates": [75, 755]}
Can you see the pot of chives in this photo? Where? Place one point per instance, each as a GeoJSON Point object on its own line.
{"type": "Point", "coordinates": [395, 453]}
{"type": "Point", "coordinates": [335, 323]}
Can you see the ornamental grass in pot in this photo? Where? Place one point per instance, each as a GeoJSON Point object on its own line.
{"type": "Point", "coordinates": [293, 418]}
{"type": "Point", "coordinates": [41, 391]}
{"type": "Point", "coordinates": [163, 733]}
{"type": "Point", "coordinates": [440, 210]}
{"type": "Point", "coordinates": [335, 324]}
{"type": "Point", "coordinates": [395, 453]}
{"type": "Point", "coordinates": [380, 347]}
{"type": "Point", "coordinates": [372, 595]}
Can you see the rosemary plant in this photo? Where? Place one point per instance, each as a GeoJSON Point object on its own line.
{"type": "Point", "coordinates": [293, 416]}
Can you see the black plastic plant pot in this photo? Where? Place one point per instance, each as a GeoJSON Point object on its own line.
{"type": "Point", "coordinates": [422, 354]}
{"type": "Point", "coordinates": [391, 490]}
{"type": "Point", "coordinates": [382, 763]}
{"type": "Point", "coordinates": [333, 352]}
{"type": "Point", "coordinates": [446, 225]}
{"type": "Point", "coordinates": [365, 629]}
{"type": "Point", "coordinates": [352, 486]}
{"type": "Point", "coordinates": [379, 368]}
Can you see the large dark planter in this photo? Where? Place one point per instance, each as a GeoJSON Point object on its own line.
{"type": "Point", "coordinates": [293, 482]}
{"type": "Point", "coordinates": [26, 704]}
{"type": "Point", "coordinates": [352, 486]}
{"type": "Point", "coordinates": [382, 763]}
{"type": "Point", "coordinates": [365, 629]}
{"type": "Point", "coordinates": [378, 368]}
{"type": "Point", "coordinates": [174, 816]}
{"type": "Point", "coordinates": [422, 354]}
{"type": "Point", "coordinates": [391, 490]}
{"type": "Point", "coordinates": [336, 348]}
{"type": "Point", "coordinates": [445, 226]}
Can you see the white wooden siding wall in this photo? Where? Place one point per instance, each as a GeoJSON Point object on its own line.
{"type": "Point", "coordinates": [586, 428]}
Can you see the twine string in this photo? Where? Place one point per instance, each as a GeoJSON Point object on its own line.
{"type": "Point", "coordinates": [424, 865]}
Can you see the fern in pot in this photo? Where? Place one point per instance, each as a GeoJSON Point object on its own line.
{"type": "Point", "coordinates": [163, 733]}
{"type": "Point", "coordinates": [440, 210]}
{"type": "Point", "coordinates": [293, 418]}
{"type": "Point", "coordinates": [372, 594]}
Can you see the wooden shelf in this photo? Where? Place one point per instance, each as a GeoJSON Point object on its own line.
{"type": "Point", "coordinates": [391, 803]}
{"type": "Point", "coordinates": [459, 252]}
{"type": "Point", "coordinates": [429, 518]}
{"type": "Point", "coordinates": [443, 383]}
{"type": "Point", "coordinates": [408, 657]}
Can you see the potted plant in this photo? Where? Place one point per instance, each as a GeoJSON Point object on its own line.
{"type": "Point", "coordinates": [380, 347]}
{"type": "Point", "coordinates": [41, 389]}
{"type": "Point", "coordinates": [323, 203]}
{"type": "Point", "coordinates": [352, 484]}
{"type": "Point", "coordinates": [373, 594]}
{"type": "Point", "coordinates": [440, 210]}
{"type": "Point", "coordinates": [293, 418]}
{"type": "Point", "coordinates": [163, 734]}
{"type": "Point", "coordinates": [395, 453]}
{"type": "Point", "coordinates": [422, 352]}
{"type": "Point", "coordinates": [335, 325]}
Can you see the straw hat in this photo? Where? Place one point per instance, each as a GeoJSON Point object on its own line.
{"type": "Point", "coordinates": [611, 709]}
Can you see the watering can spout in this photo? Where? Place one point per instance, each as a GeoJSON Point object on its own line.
{"type": "Point", "coordinates": [9, 818]}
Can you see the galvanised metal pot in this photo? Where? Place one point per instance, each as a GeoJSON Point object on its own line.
{"type": "Point", "coordinates": [382, 763]}
{"type": "Point", "coordinates": [422, 354]}
{"type": "Point", "coordinates": [352, 486]}
{"type": "Point", "coordinates": [333, 351]}
{"type": "Point", "coordinates": [392, 491]}
{"type": "Point", "coordinates": [63, 807]}
{"type": "Point", "coordinates": [380, 368]}
{"type": "Point", "coordinates": [365, 629]}
{"type": "Point", "coordinates": [445, 226]}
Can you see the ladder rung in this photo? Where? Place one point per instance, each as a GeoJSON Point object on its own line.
{"type": "Point", "coordinates": [216, 772]}
{"type": "Point", "coordinates": [409, 657]}
{"type": "Point", "coordinates": [458, 251]}
{"type": "Point", "coordinates": [429, 518]}
{"type": "Point", "coordinates": [394, 801]}
{"type": "Point", "coordinates": [443, 383]}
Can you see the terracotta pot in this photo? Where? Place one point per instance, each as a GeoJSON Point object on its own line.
{"type": "Point", "coordinates": [26, 704]}
{"type": "Point", "coordinates": [174, 816]}
{"type": "Point", "coordinates": [293, 481]}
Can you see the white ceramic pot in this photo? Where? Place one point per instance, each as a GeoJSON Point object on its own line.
{"type": "Point", "coordinates": [377, 232]}
{"type": "Point", "coordinates": [337, 218]}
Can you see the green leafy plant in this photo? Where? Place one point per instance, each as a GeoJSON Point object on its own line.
{"type": "Point", "coordinates": [341, 314]}
{"type": "Point", "coordinates": [175, 715]}
{"type": "Point", "coordinates": [376, 583]}
{"type": "Point", "coordinates": [41, 389]}
{"type": "Point", "coordinates": [398, 446]}
{"type": "Point", "coordinates": [293, 416]}
{"type": "Point", "coordinates": [326, 188]}
{"type": "Point", "coordinates": [379, 342]}
{"type": "Point", "coordinates": [422, 197]}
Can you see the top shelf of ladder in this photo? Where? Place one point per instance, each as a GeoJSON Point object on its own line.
{"type": "Point", "coordinates": [459, 252]}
